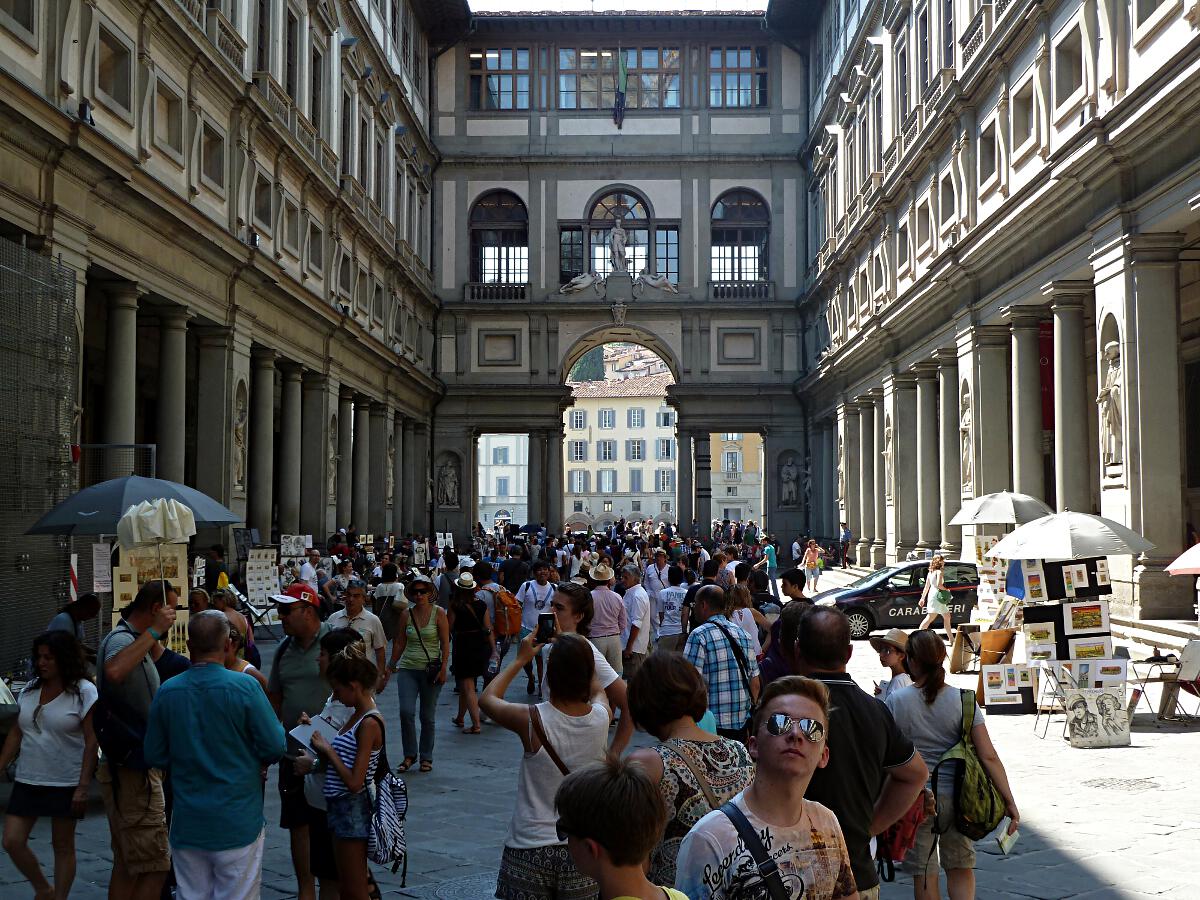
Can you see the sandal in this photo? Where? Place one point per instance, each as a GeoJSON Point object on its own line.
{"type": "Point", "coordinates": [472, 730]}
{"type": "Point", "coordinates": [406, 764]}
{"type": "Point", "coordinates": [426, 765]}
{"type": "Point", "coordinates": [457, 723]}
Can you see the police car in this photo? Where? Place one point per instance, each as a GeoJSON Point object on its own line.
{"type": "Point", "coordinates": [891, 597]}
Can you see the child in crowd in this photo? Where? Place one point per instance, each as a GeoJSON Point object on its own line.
{"type": "Point", "coordinates": [611, 816]}
{"type": "Point", "coordinates": [892, 649]}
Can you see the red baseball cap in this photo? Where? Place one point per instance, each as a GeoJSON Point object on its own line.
{"type": "Point", "coordinates": [300, 592]}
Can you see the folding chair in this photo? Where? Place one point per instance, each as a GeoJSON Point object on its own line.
{"type": "Point", "coordinates": [1052, 696]}
{"type": "Point", "coordinates": [1184, 675]}
{"type": "Point", "coordinates": [260, 616]}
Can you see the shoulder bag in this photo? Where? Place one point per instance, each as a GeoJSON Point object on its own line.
{"type": "Point", "coordinates": [535, 724]}
{"type": "Point", "coordinates": [767, 868]}
{"type": "Point", "coordinates": [705, 787]}
{"type": "Point", "coordinates": [744, 669]}
{"type": "Point", "coordinates": [433, 667]}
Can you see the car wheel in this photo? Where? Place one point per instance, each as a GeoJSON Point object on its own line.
{"type": "Point", "coordinates": [861, 623]}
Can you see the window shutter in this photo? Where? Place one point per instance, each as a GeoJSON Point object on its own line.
{"type": "Point", "coordinates": [629, 418]}
{"type": "Point", "coordinates": [584, 445]}
{"type": "Point", "coordinates": [584, 478]}
{"type": "Point", "coordinates": [583, 418]}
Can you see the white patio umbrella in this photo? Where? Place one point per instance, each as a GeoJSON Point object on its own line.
{"type": "Point", "coordinates": [1001, 508]}
{"type": "Point", "coordinates": [1188, 562]}
{"type": "Point", "coordinates": [153, 523]}
{"type": "Point", "coordinates": [1070, 535]}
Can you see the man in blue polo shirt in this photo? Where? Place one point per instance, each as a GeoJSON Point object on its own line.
{"type": "Point", "coordinates": [215, 731]}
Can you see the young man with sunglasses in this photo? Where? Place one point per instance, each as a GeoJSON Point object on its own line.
{"type": "Point", "coordinates": [801, 837]}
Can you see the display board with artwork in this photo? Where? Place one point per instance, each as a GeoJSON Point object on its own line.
{"type": "Point", "coordinates": [262, 575]}
{"type": "Point", "coordinates": [1008, 688]}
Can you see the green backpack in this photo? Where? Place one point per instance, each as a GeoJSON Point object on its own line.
{"type": "Point", "coordinates": [978, 806]}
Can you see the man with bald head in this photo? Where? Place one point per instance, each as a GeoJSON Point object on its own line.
{"type": "Point", "coordinates": [215, 731]}
{"type": "Point", "coordinates": [725, 657]}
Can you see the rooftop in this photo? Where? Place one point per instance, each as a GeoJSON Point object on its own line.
{"type": "Point", "coordinates": [650, 386]}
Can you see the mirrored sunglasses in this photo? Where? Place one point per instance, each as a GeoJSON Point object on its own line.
{"type": "Point", "coordinates": [780, 724]}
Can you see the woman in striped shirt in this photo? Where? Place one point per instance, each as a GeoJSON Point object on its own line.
{"type": "Point", "coordinates": [353, 757]}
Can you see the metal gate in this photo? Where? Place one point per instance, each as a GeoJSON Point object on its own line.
{"type": "Point", "coordinates": [39, 363]}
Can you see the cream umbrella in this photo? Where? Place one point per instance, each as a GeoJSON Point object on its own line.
{"type": "Point", "coordinates": [1070, 535]}
{"type": "Point", "coordinates": [1001, 508]}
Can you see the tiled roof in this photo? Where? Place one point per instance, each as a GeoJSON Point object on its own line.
{"type": "Point", "coordinates": [649, 386]}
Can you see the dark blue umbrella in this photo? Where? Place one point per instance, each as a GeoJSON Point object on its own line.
{"type": "Point", "coordinates": [97, 509]}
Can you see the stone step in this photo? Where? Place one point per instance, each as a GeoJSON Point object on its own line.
{"type": "Point", "coordinates": [1167, 635]}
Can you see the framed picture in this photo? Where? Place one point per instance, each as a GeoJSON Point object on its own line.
{"type": "Point", "coordinates": [145, 560]}
{"type": "Point", "coordinates": [1096, 717]}
{"type": "Point", "coordinates": [1102, 576]}
{"type": "Point", "coordinates": [1039, 633]}
{"type": "Point", "coordinates": [1041, 652]}
{"type": "Point", "coordinates": [1090, 648]}
{"type": "Point", "coordinates": [124, 587]}
{"type": "Point", "coordinates": [291, 545]}
{"type": "Point", "coordinates": [1085, 616]}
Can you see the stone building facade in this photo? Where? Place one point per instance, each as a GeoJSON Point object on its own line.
{"type": "Point", "coordinates": [1002, 266]}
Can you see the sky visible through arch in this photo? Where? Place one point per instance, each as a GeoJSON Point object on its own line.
{"type": "Point", "coordinates": [600, 6]}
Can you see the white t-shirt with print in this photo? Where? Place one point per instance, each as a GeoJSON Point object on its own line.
{"type": "Point", "coordinates": [535, 601]}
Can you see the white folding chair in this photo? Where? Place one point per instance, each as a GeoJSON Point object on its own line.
{"type": "Point", "coordinates": [1184, 673]}
{"type": "Point", "coordinates": [1051, 696]}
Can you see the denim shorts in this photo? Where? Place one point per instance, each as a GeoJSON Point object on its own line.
{"type": "Point", "coordinates": [350, 816]}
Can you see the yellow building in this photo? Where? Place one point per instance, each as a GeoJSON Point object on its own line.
{"type": "Point", "coordinates": [737, 476]}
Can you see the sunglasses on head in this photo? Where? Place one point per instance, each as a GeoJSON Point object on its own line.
{"type": "Point", "coordinates": [781, 724]}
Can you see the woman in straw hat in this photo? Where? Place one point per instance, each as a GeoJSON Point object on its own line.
{"type": "Point", "coordinates": [892, 649]}
{"type": "Point", "coordinates": [472, 646]}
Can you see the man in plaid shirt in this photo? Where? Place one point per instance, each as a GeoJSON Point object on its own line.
{"type": "Point", "coordinates": [710, 648]}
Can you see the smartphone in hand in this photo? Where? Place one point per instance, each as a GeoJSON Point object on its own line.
{"type": "Point", "coordinates": [545, 628]}
{"type": "Point", "coordinates": [1005, 841]}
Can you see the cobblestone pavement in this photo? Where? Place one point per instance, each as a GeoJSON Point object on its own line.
{"type": "Point", "coordinates": [1120, 823]}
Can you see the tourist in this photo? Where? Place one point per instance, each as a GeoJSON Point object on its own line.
{"type": "Point", "coordinates": [447, 569]}
{"type": "Point", "coordinates": [812, 565]}
{"type": "Point", "coordinates": [387, 600]}
{"type": "Point", "coordinates": [296, 686]}
{"type": "Point", "coordinates": [935, 598]}
{"type": "Point", "coordinates": [355, 615]}
{"type": "Point", "coordinates": [695, 771]}
{"type": "Point", "coordinates": [746, 617]}
{"type": "Point", "coordinates": [611, 815]}
{"type": "Point", "coordinates": [57, 758]}
{"type": "Point", "coordinates": [214, 568]}
{"type": "Point", "coordinates": [797, 553]}
{"type": "Point", "coordinates": [308, 571]}
{"type": "Point", "coordinates": [72, 616]}
{"type": "Point", "coordinates": [535, 597]}
{"type": "Point", "coordinates": [635, 638]}
{"type": "Point", "coordinates": [657, 577]}
{"type": "Point", "coordinates": [573, 612]}
{"type": "Point", "coordinates": [801, 836]}
{"type": "Point", "coordinates": [473, 645]}
{"type": "Point", "coordinates": [769, 562]}
{"type": "Point", "coordinates": [873, 776]}
{"type": "Point", "coordinates": [514, 571]}
{"type": "Point", "coordinates": [891, 650]}
{"type": "Point", "coordinates": [224, 600]}
{"type": "Point", "coordinates": [780, 658]}
{"type": "Point", "coordinates": [198, 600]}
{"type": "Point", "coordinates": [725, 657]}
{"type": "Point", "coordinates": [127, 680]}
{"type": "Point", "coordinates": [670, 611]}
{"type": "Point", "coordinates": [235, 662]}
{"type": "Point", "coordinates": [557, 736]}
{"type": "Point", "coordinates": [930, 712]}
{"type": "Point", "coordinates": [846, 538]}
{"type": "Point", "coordinates": [352, 759]}
{"type": "Point", "coordinates": [609, 618]}
{"type": "Point", "coordinates": [420, 659]}
{"type": "Point", "coordinates": [217, 827]}
{"type": "Point", "coordinates": [791, 583]}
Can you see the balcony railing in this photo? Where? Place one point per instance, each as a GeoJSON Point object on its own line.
{"type": "Point", "coordinates": [304, 131]}
{"type": "Point", "coordinates": [889, 157]}
{"type": "Point", "coordinates": [329, 160]}
{"type": "Point", "coordinates": [355, 195]}
{"type": "Point", "coordinates": [194, 10]}
{"type": "Point", "coordinates": [277, 99]}
{"type": "Point", "coordinates": [976, 32]}
{"type": "Point", "coordinates": [741, 290]}
{"type": "Point", "coordinates": [226, 39]}
{"type": "Point", "coordinates": [495, 290]}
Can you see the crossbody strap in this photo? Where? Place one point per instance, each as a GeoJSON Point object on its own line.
{"type": "Point", "coordinates": [709, 795]}
{"type": "Point", "coordinates": [741, 659]}
{"type": "Point", "coordinates": [767, 868]}
{"type": "Point", "coordinates": [535, 722]}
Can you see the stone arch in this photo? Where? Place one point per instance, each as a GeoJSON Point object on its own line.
{"type": "Point", "coordinates": [617, 187]}
{"type": "Point", "coordinates": [609, 333]}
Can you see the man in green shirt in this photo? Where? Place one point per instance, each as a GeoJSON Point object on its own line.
{"type": "Point", "coordinates": [296, 686]}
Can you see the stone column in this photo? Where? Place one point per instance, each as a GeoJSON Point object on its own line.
{"type": "Point", "coordinates": [554, 479]}
{"type": "Point", "coordinates": [535, 493]}
{"type": "Point", "coordinates": [421, 509]}
{"type": "Point", "coordinates": [120, 374]}
{"type": "Point", "coordinates": [928, 461]}
{"type": "Point", "coordinates": [1072, 437]}
{"type": "Point", "coordinates": [172, 392]}
{"type": "Point", "coordinates": [222, 396]}
{"type": "Point", "coordinates": [345, 460]}
{"type": "Point", "coordinates": [949, 463]}
{"type": "Point", "coordinates": [412, 484]}
{"type": "Point", "coordinates": [291, 440]}
{"type": "Point", "coordinates": [827, 480]}
{"type": "Point", "coordinates": [360, 480]}
{"type": "Point", "coordinates": [703, 480]}
{"type": "Point", "coordinates": [398, 473]}
{"type": "Point", "coordinates": [262, 442]}
{"type": "Point", "coordinates": [1028, 470]}
{"type": "Point", "coordinates": [899, 451]}
{"type": "Point", "coordinates": [991, 410]}
{"type": "Point", "coordinates": [685, 501]}
{"type": "Point", "coordinates": [377, 470]}
{"type": "Point", "coordinates": [880, 542]}
{"type": "Point", "coordinates": [318, 457]}
{"type": "Point", "coordinates": [866, 481]}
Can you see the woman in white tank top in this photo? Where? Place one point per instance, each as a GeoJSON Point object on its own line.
{"type": "Point", "coordinates": [558, 736]}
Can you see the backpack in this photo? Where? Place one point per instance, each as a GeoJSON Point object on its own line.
{"type": "Point", "coordinates": [120, 730]}
{"type": "Point", "coordinates": [507, 614]}
{"type": "Point", "coordinates": [978, 806]}
{"type": "Point", "coordinates": [389, 805]}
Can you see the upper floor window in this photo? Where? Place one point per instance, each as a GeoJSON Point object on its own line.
{"type": "Point", "coordinates": [606, 451]}
{"type": "Point", "coordinates": [648, 244]}
{"type": "Point", "coordinates": [499, 78]}
{"type": "Point", "coordinates": [578, 418]}
{"type": "Point", "coordinates": [500, 456]}
{"type": "Point", "coordinates": [740, 233]}
{"type": "Point", "coordinates": [947, 34]}
{"type": "Point", "coordinates": [901, 86]}
{"type": "Point", "coordinates": [291, 54]}
{"type": "Point", "coordinates": [665, 418]}
{"type": "Point", "coordinates": [316, 104]}
{"type": "Point", "coordinates": [732, 461]}
{"type": "Point", "coordinates": [737, 77]}
{"type": "Point", "coordinates": [502, 487]}
{"type": "Point", "coordinates": [731, 436]}
{"type": "Point", "coordinates": [578, 451]}
{"type": "Point", "coordinates": [20, 15]}
{"type": "Point", "coordinates": [923, 48]}
{"type": "Point", "coordinates": [499, 226]}
{"type": "Point", "coordinates": [664, 448]}
{"type": "Point", "coordinates": [637, 417]}
{"type": "Point", "coordinates": [608, 418]}
{"type": "Point", "coordinates": [587, 77]}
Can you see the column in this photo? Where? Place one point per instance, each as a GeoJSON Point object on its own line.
{"type": "Point", "coordinates": [554, 479]}
{"type": "Point", "coordinates": [866, 481]}
{"type": "Point", "coordinates": [685, 501]}
{"type": "Point", "coordinates": [361, 476]}
{"type": "Point", "coordinates": [899, 452]}
{"type": "Point", "coordinates": [318, 457]}
{"type": "Point", "coordinates": [1028, 472]}
{"type": "Point", "coordinates": [345, 457]}
{"type": "Point", "coordinates": [222, 397]}
{"type": "Point", "coordinates": [536, 492]}
{"type": "Point", "coordinates": [1072, 438]}
{"type": "Point", "coordinates": [172, 392]}
{"type": "Point", "coordinates": [846, 474]}
{"type": "Point", "coordinates": [949, 463]}
{"type": "Point", "coordinates": [880, 542]}
{"type": "Point", "coordinates": [814, 478]}
{"type": "Point", "coordinates": [262, 442]}
{"type": "Point", "coordinates": [424, 479]}
{"type": "Point", "coordinates": [991, 412]}
{"type": "Point", "coordinates": [377, 464]}
{"type": "Point", "coordinates": [291, 441]}
{"type": "Point", "coordinates": [120, 374]}
{"type": "Point", "coordinates": [928, 461]}
{"type": "Point", "coordinates": [702, 454]}
{"type": "Point", "coordinates": [398, 471]}
{"type": "Point", "coordinates": [827, 480]}
{"type": "Point", "coordinates": [411, 482]}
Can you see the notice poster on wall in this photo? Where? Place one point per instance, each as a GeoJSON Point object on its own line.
{"type": "Point", "coordinates": [101, 568]}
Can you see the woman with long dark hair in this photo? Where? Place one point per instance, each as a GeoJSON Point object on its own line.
{"type": "Point", "coordinates": [472, 646]}
{"type": "Point", "coordinates": [58, 755]}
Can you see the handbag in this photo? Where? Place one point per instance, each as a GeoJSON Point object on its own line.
{"type": "Point", "coordinates": [433, 667]}
{"type": "Point", "coordinates": [705, 787]}
{"type": "Point", "coordinates": [744, 669]}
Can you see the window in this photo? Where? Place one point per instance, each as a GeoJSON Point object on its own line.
{"type": "Point", "coordinates": [608, 506]}
{"type": "Point", "coordinates": [291, 225]}
{"type": "Point", "coordinates": [901, 246]}
{"type": "Point", "coordinates": [851, 164]}
{"type": "Point", "coordinates": [635, 450]}
{"type": "Point", "coordinates": [291, 54]}
{"type": "Point", "coordinates": [737, 77]}
{"type": "Point", "coordinates": [731, 462]}
{"type": "Point", "coordinates": [947, 34]}
{"type": "Point", "coordinates": [731, 436]}
{"type": "Point", "coordinates": [380, 174]}
{"type": "Point", "coordinates": [664, 481]}
{"type": "Point", "coordinates": [262, 43]}
{"type": "Point", "coordinates": [21, 16]}
{"type": "Point", "coordinates": [1144, 9]}
{"type": "Point", "coordinates": [923, 230]}
{"type": "Point", "coordinates": [114, 70]}
{"type": "Point", "coordinates": [499, 78]}
{"type": "Point", "coordinates": [987, 153]}
{"type": "Point", "coordinates": [664, 448]}
{"type": "Point", "coordinates": [499, 227]}
{"type": "Point", "coordinates": [579, 451]}
{"type": "Point", "coordinates": [731, 490]}
{"type": "Point", "coordinates": [363, 160]}
{"type": "Point", "coordinates": [347, 131]}
{"type": "Point", "coordinates": [264, 202]}
{"type": "Point", "coordinates": [587, 77]}
{"type": "Point", "coordinates": [316, 74]}
{"type": "Point", "coordinates": [665, 418]}
{"type": "Point", "coordinates": [394, 21]}
{"type": "Point", "coordinates": [1022, 114]}
{"type": "Point", "coordinates": [578, 418]}
{"type": "Point", "coordinates": [923, 48]}
{"type": "Point", "coordinates": [502, 487]}
{"type": "Point", "coordinates": [946, 200]}
{"type": "Point", "coordinates": [606, 451]}
{"type": "Point", "coordinates": [635, 505]}
{"type": "Point", "coordinates": [577, 505]}
{"type": "Point", "coordinates": [212, 157]}
{"type": "Point", "coordinates": [168, 116]}
{"type": "Point", "coordinates": [499, 456]}
{"type": "Point", "coordinates": [607, 418]}
{"type": "Point", "coordinates": [877, 164]}
{"type": "Point", "coordinates": [901, 84]}
{"type": "Point", "coordinates": [635, 481]}
{"type": "Point", "coordinates": [642, 236]}
{"type": "Point", "coordinates": [316, 247]}
{"type": "Point", "coordinates": [577, 482]}
{"type": "Point", "coordinates": [1068, 67]}
{"type": "Point", "coordinates": [606, 481]}
{"type": "Point", "coordinates": [637, 417]}
{"type": "Point", "coordinates": [740, 234]}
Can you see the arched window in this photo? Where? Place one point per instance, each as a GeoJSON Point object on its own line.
{"type": "Point", "coordinates": [649, 244]}
{"type": "Point", "coordinates": [499, 226]}
{"type": "Point", "coordinates": [741, 228]}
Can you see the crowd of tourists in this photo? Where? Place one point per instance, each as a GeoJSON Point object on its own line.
{"type": "Point", "coordinates": [771, 773]}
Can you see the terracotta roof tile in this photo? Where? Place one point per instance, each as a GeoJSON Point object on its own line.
{"type": "Point", "coordinates": [648, 386]}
